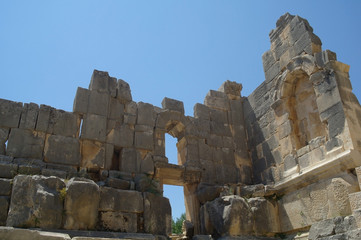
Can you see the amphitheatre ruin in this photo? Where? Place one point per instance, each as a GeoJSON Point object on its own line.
{"type": "Point", "coordinates": [281, 163]}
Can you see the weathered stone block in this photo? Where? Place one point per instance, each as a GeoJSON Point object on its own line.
{"type": "Point", "coordinates": [146, 114]}
{"type": "Point", "coordinates": [144, 140]}
{"type": "Point", "coordinates": [5, 187]}
{"type": "Point", "coordinates": [321, 229]}
{"type": "Point", "coordinates": [92, 154]}
{"type": "Point", "coordinates": [101, 82]}
{"type": "Point", "coordinates": [289, 162]}
{"type": "Point", "coordinates": [4, 207]}
{"type": "Point", "coordinates": [322, 58]}
{"type": "Point", "coordinates": [10, 113]}
{"type": "Point", "coordinates": [62, 150]}
{"type": "Point", "coordinates": [81, 204]}
{"type": "Point", "coordinates": [265, 216]}
{"type": "Point", "coordinates": [124, 94]}
{"type": "Point", "coordinates": [355, 200]}
{"type": "Point", "coordinates": [36, 202]}
{"type": "Point", "coordinates": [129, 160]}
{"type": "Point", "coordinates": [217, 100]}
{"type": "Point", "coordinates": [98, 103]}
{"type": "Point", "coordinates": [29, 116]}
{"type": "Point", "coordinates": [25, 143]}
{"type": "Point", "coordinates": [147, 164]}
{"type": "Point", "coordinates": [94, 127]}
{"type": "Point", "coordinates": [81, 101]}
{"type": "Point", "coordinates": [43, 118]}
{"type": "Point", "coordinates": [157, 214]}
{"type": "Point", "coordinates": [119, 221]}
{"type": "Point", "coordinates": [201, 111]}
{"type": "Point", "coordinates": [206, 193]}
{"type": "Point", "coordinates": [117, 183]}
{"type": "Point", "coordinates": [63, 123]}
{"type": "Point", "coordinates": [345, 224]}
{"type": "Point", "coordinates": [116, 109]}
{"type": "Point", "coordinates": [231, 88]}
{"type": "Point", "coordinates": [120, 200]}
{"type": "Point", "coordinates": [172, 104]}
{"type": "Point", "coordinates": [8, 170]}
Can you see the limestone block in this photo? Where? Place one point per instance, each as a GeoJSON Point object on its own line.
{"type": "Point", "coordinates": [121, 135]}
{"type": "Point", "coordinates": [144, 140]}
{"type": "Point", "coordinates": [4, 207]}
{"type": "Point", "coordinates": [289, 162]}
{"type": "Point", "coordinates": [124, 94]}
{"type": "Point", "coordinates": [25, 143]}
{"type": "Point", "coordinates": [322, 58]}
{"type": "Point", "coordinates": [221, 129]}
{"type": "Point", "coordinates": [8, 170]}
{"type": "Point", "coordinates": [4, 134]}
{"type": "Point", "coordinates": [201, 111]}
{"type": "Point", "coordinates": [231, 88]}
{"type": "Point", "coordinates": [131, 108]}
{"type": "Point", "coordinates": [36, 202]}
{"type": "Point", "coordinates": [147, 164]}
{"type": "Point", "coordinates": [265, 216]}
{"type": "Point", "coordinates": [355, 200]}
{"type": "Point", "coordinates": [5, 187]}
{"type": "Point", "coordinates": [116, 109]}
{"type": "Point", "coordinates": [120, 200]}
{"type": "Point", "coordinates": [94, 127]}
{"type": "Point", "coordinates": [205, 151]}
{"type": "Point", "coordinates": [29, 116]}
{"type": "Point", "coordinates": [81, 204]}
{"type": "Point", "coordinates": [101, 82]}
{"type": "Point", "coordinates": [146, 114]}
{"type": "Point", "coordinates": [217, 100]}
{"type": "Point", "coordinates": [208, 171]}
{"type": "Point", "coordinates": [119, 221]}
{"type": "Point", "coordinates": [358, 173]}
{"type": "Point", "coordinates": [70, 171]}
{"type": "Point", "coordinates": [62, 150]}
{"type": "Point", "coordinates": [10, 233]}
{"type": "Point", "coordinates": [129, 160]}
{"type": "Point", "coordinates": [230, 216]}
{"type": "Point", "coordinates": [43, 118]}
{"type": "Point", "coordinates": [218, 116]}
{"type": "Point", "coordinates": [63, 123]}
{"type": "Point", "coordinates": [172, 104]}
{"type": "Point", "coordinates": [273, 71]}
{"type": "Point", "coordinates": [92, 154]}
{"type": "Point", "coordinates": [206, 192]}
{"type": "Point", "coordinates": [345, 224]}
{"type": "Point", "coordinates": [268, 60]}
{"type": "Point", "coordinates": [157, 214]}
{"type": "Point", "coordinates": [117, 183]}
{"type": "Point", "coordinates": [130, 119]}
{"type": "Point", "coordinates": [10, 113]}
{"type": "Point", "coordinates": [321, 229]}
{"type": "Point", "coordinates": [81, 101]}
{"type": "Point", "coordinates": [98, 103]}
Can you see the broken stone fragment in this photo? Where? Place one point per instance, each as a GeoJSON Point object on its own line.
{"type": "Point", "coordinates": [231, 88]}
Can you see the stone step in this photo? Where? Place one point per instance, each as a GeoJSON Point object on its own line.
{"type": "Point", "coordinates": [10, 233]}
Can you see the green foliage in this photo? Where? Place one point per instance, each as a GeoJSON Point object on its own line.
{"type": "Point", "coordinates": [177, 225]}
{"type": "Point", "coordinates": [62, 194]}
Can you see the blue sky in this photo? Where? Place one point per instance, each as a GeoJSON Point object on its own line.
{"type": "Point", "coordinates": [176, 49]}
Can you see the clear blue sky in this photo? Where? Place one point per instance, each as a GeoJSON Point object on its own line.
{"type": "Point", "coordinates": [178, 49]}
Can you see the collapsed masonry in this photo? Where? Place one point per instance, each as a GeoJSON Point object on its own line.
{"type": "Point", "coordinates": [279, 161]}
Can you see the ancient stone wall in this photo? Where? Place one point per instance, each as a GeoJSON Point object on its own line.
{"type": "Point", "coordinates": [278, 161]}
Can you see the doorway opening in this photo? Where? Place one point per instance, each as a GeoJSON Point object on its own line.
{"type": "Point", "coordinates": [175, 194]}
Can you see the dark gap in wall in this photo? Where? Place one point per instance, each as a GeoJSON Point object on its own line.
{"type": "Point", "coordinates": [116, 160]}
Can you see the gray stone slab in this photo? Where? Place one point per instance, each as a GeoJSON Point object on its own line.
{"type": "Point", "coordinates": [5, 186]}
{"type": "Point", "coordinates": [144, 140]}
{"type": "Point", "coordinates": [120, 200]}
{"type": "Point", "coordinates": [25, 144]}
{"type": "Point", "coordinates": [124, 94]}
{"type": "Point", "coordinates": [94, 127]}
{"type": "Point", "coordinates": [81, 101]}
{"type": "Point", "coordinates": [98, 103]}
{"type": "Point", "coordinates": [29, 116]}
{"type": "Point", "coordinates": [42, 123]}
{"type": "Point", "coordinates": [172, 104]}
{"type": "Point", "coordinates": [4, 207]}
{"type": "Point", "coordinates": [146, 114]}
{"type": "Point", "coordinates": [4, 134]}
{"type": "Point", "coordinates": [8, 170]}
{"type": "Point", "coordinates": [63, 123]}
{"type": "Point", "coordinates": [62, 150]}
{"type": "Point", "coordinates": [116, 109]}
{"type": "Point", "coordinates": [201, 111]}
{"type": "Point", "coordinates": [129, 160]}
{"type": "Point", "coordinates": [157, 209]}
{"type": "Point", "coordinates": [52, 172]}
{"type": "Point", "coordinates": [10, 113]}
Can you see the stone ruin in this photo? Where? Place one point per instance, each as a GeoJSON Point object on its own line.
{"type": "Point", "coordinates": [280, 163]}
